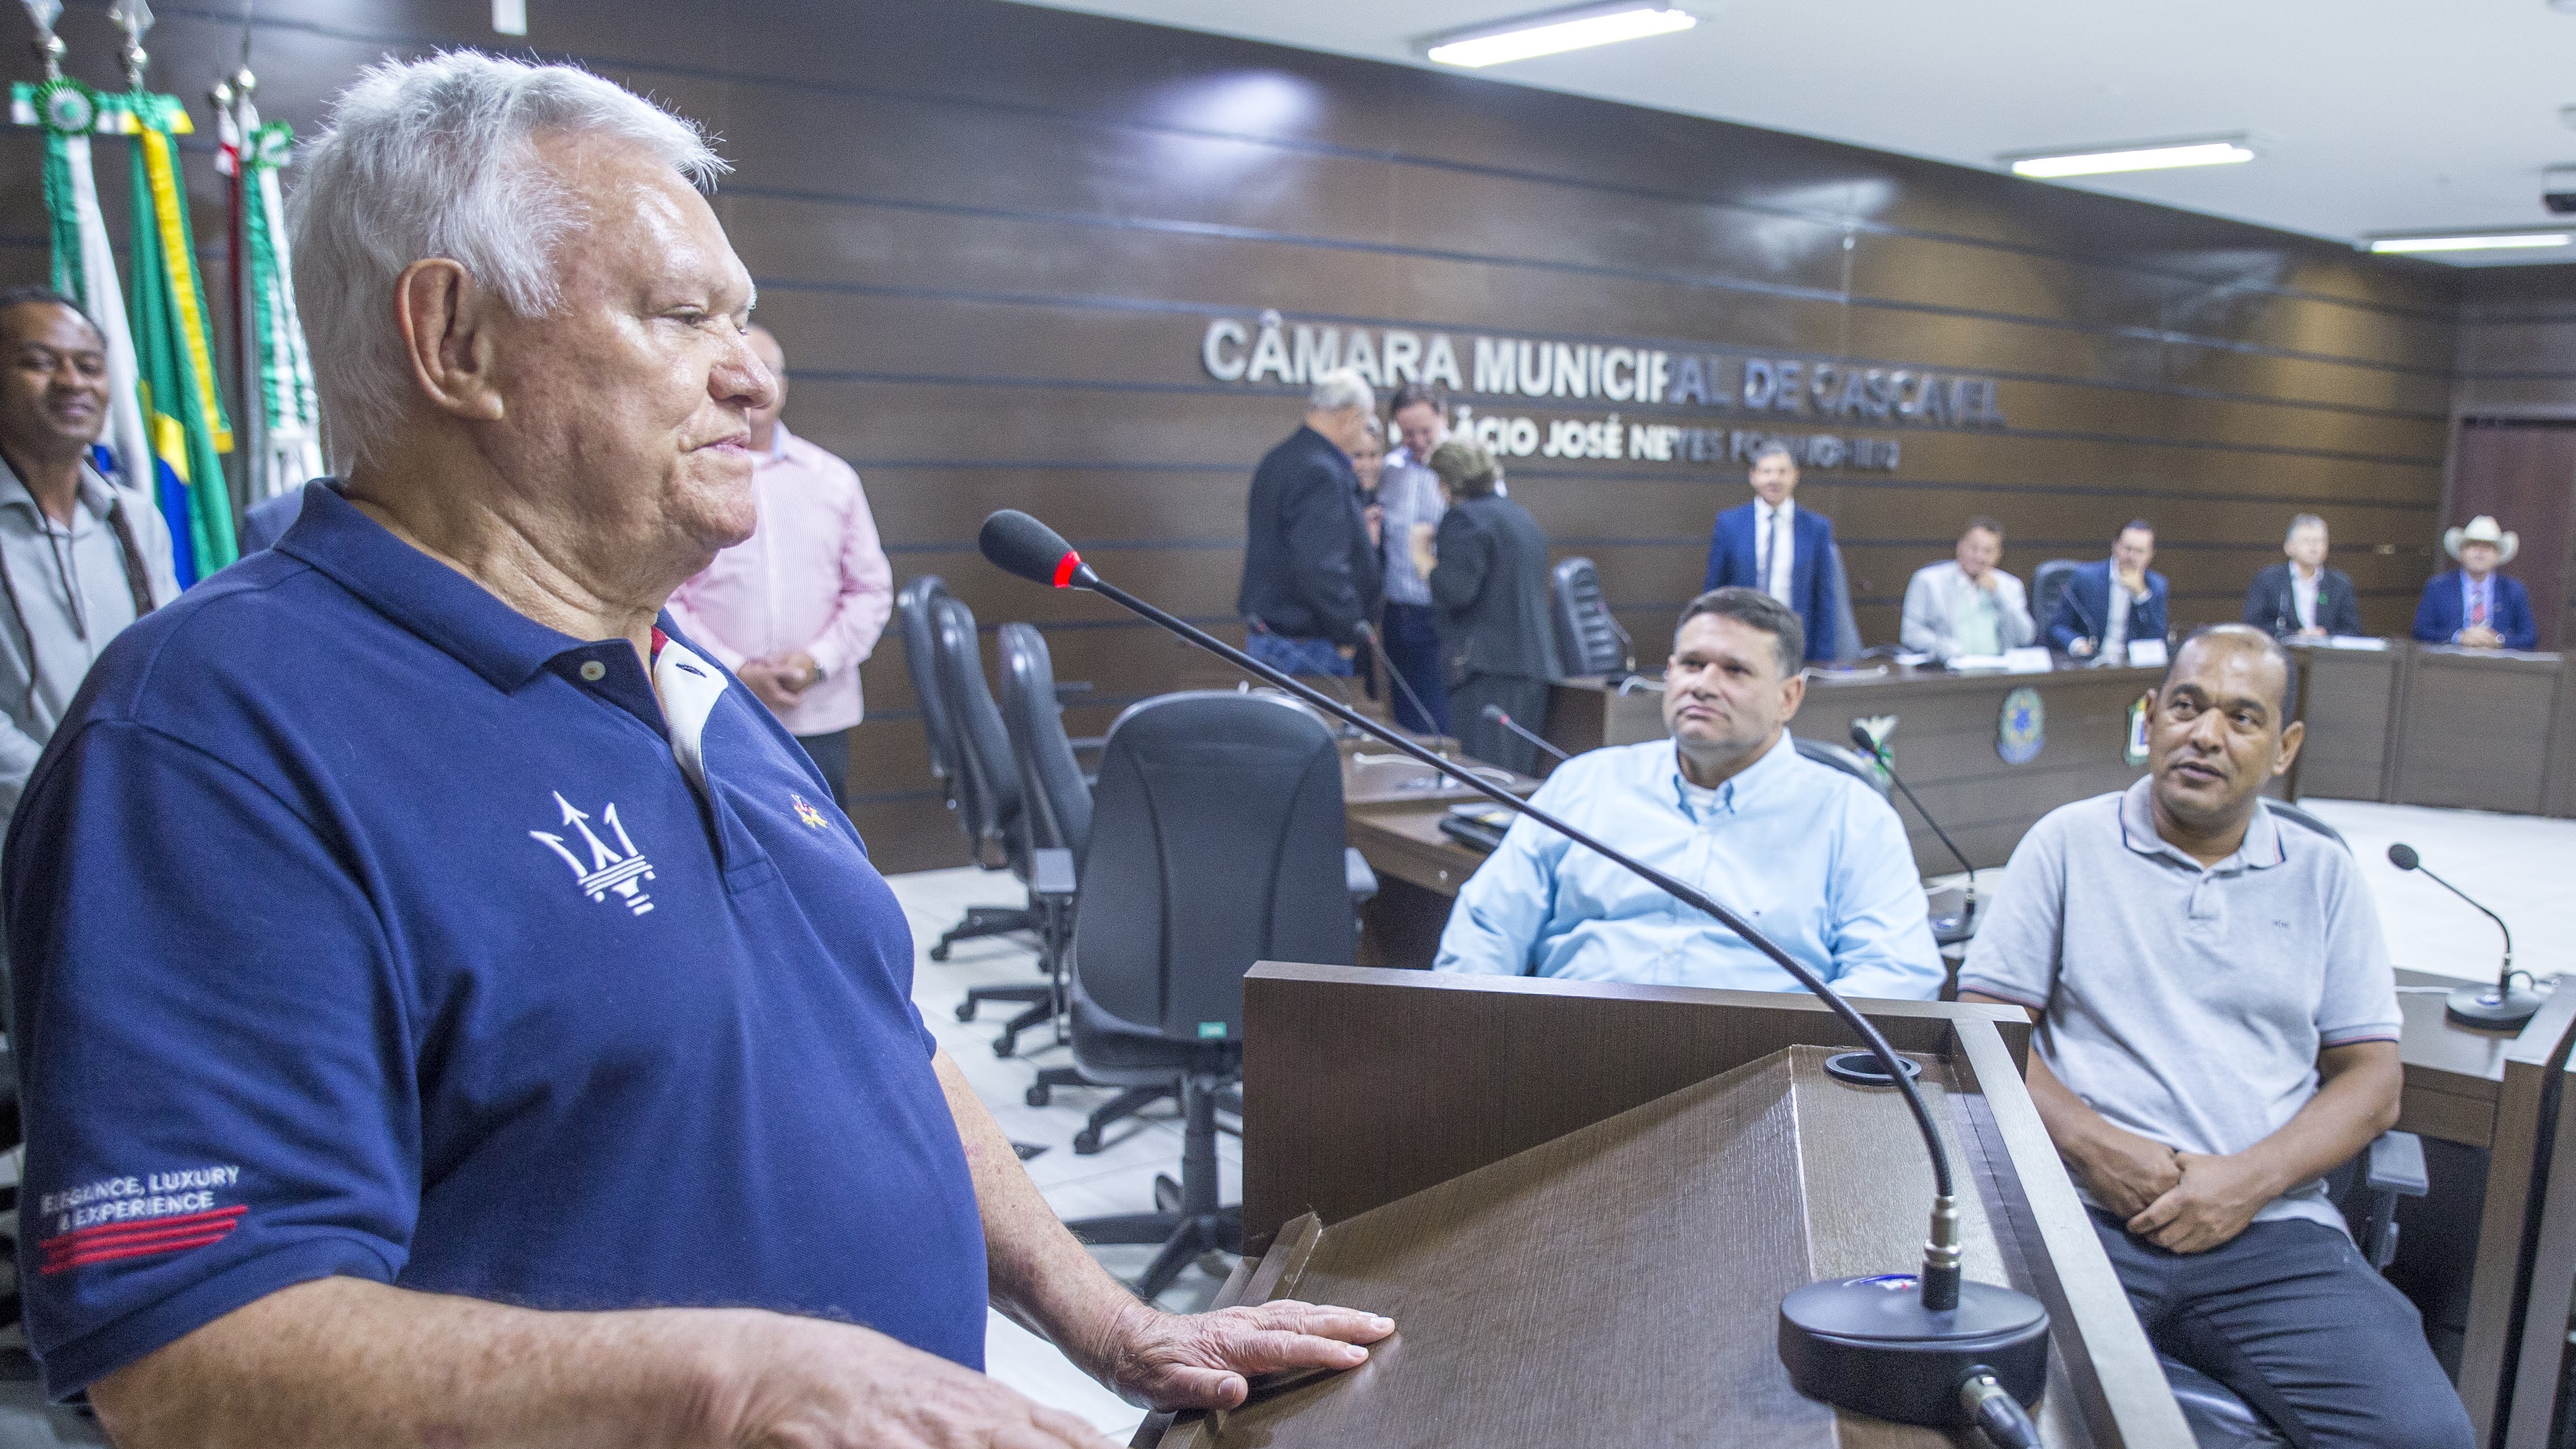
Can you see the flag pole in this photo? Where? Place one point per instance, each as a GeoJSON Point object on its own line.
{"type": "Point", "coordinates": [84, 265]}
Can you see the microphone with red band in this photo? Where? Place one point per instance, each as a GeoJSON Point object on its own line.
{"type": "Point", "coordinates": [1017, 544]}
{"type": "Point", "coordinates": [1851, 1342]}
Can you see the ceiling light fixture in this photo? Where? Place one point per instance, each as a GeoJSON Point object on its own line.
{"type": "Point", "coordinates": [2481, 242]}
{"type": "Point", "coordinates": [2161, 156]}
{"type": "Point", "coordinates": [1557, 30]}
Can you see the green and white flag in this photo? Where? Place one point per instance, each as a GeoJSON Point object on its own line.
{"type": "Point", "coordinates": [281, 419]}
{"type": "Point", "coordinates": [84, 264]}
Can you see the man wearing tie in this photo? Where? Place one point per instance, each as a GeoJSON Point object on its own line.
{"type": "Point", "coordinates": [2107, 604]}
{"type": "Point", "coordinates": [1773, 545]}
{"type": "Point", "coordinates": [2474, 605]}
{"type": "Point", "coordinates": [2302, 598]}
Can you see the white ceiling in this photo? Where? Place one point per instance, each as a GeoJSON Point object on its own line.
{"type": "Point", "coordinates": [2370, 116]}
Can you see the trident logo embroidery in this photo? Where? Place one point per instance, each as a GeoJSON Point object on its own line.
{"type": "Point", "coordinates": [608, 872]}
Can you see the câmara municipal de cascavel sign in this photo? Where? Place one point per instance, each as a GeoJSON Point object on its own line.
{"type": "Point", "coordinates": [1761, 390]}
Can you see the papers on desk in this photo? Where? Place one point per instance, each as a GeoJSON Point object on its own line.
{"type": "Point", "coordinates": [2029, 659]}
{"type": "Point", "coordinates": [2354, 641]}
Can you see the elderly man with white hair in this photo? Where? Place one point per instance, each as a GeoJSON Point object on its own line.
{"type": "Point", "coordinates": [452, 1010]}
{"type": "Point", "coordinates": [1311, 576]}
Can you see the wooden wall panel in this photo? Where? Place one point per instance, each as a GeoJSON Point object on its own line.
{"type": "Point", "coordinates": [990, 237]}
{"type": "Point", "coordinates": [2517, 342]}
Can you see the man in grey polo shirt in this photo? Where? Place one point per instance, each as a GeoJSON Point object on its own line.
{"type": "Point", "coordinates": [2217, 1030]}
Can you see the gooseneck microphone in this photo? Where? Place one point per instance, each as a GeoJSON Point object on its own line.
{"type": "Point", "coordinates": [1495, 713]}
{"type": "Point", "coordinates": [2500, 1007]}
{"type": "Point", "coordinates": [1966, 925]}
{"type": "Point", "coordinates": [1864, 1344]}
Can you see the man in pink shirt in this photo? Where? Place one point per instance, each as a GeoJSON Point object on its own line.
{"type": "Point", "coordinates": [792, 609]}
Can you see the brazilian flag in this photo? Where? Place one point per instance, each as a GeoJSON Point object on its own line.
{"type": "Point", "coordinates": [183, 414]}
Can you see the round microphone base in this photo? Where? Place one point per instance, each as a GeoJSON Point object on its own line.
{"type": "Point", "coordinates": [2487, 1009]}
{"type": "Point", "coordinates": [1868, 1345]}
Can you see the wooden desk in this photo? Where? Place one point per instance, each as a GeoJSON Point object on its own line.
{"type": "Point", "coordinates": [2497, 1092]}
{"type": "Point", "coordinates": [1581, 1200]}
{"type": "Point", "coordinates": [2352, 702]}
{"type": "Point", "coordinates": [1592, 711]}
{"type": "Point", "coordinates": [2541, 1360]}
{"type": "Point", "coordinates": [2476, 729]}
{"type": "Point", "coordinates": [1394, 807]}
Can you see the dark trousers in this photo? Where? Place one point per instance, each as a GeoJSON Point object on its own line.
{"type": "Point", "coordinates": [2296, 1322]}
{"type": "Point", "coordinates": [1412, 639]}
{"type": "Point", "coordinates": [831, 755]}
{"type": "Point", "coordinates": [1525, 700]}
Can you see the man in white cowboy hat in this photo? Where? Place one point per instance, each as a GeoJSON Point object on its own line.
{"type": "Point", "coordinates": [2473, 604]}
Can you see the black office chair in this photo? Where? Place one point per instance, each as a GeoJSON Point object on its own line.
{"type": "Point", "coordinates": [916, 612]}
{"type": "Point", "coordinates": [2046, 583]}
{"type": "Point", "coordinates": [990, 806]}
{"type": "Point", "coordinates": [1217, 840]}
{"type": "Point", "coordinates": [1059, 799]}
{"type": "Point", "coordinates": [1038, 761]}
{"type": "Point", "coordinates": [2365, 1190]}
{"type": "Point", "coordinates": [1846, 623]}
{"type": "Point", "coordinates": [1588, 637]}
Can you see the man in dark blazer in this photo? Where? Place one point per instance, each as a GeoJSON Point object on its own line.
{"type": "Point", "coordinates": [1773, 545]}
{"type": "Point", "coordinates": [2107, 604]}
{"type": "Point", "coordinates": [2473, 604]}
{"type": "Point", "coordinates": [2302, 598]}
{"type": "Point", "coordinates": [1311, 577]}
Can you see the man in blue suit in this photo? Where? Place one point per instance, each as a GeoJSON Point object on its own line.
{"type": "Point", "coordinates": [1773, 545]}
{"type": "Point", "coordinates": [2107, 604]}
{"type": "Point", "coordinates": [2473, 604]}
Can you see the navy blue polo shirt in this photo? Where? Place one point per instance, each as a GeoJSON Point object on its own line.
{"type": "Point", "coordinates": [365, 926]}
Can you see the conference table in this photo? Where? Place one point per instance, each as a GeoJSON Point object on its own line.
{"type": "Point", "coordinates": [2434, 724]}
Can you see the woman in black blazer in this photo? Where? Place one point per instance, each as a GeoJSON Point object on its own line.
{"type": "Point", "coordinates": [1487, 567]}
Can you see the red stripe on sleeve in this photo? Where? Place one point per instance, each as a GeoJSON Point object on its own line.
{"type": "Point", "coordinates": [141, 1227]}
{"type": "Point", "coordinates": [110, 1254]}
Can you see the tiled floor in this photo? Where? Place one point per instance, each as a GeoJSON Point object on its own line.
{"type": "Point", "coordinates": [2522, 867]}
{"type": "Point", "coordinates": [2519, 865]}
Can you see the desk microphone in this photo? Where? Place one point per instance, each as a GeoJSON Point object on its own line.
{"type": "Point", "coordinates": [1495, 713]}
{"type": "Point", "coordinates": [2493, 1008]}
{"type": "Point", "coordinates": [1924, 1348]}
{"type": "Point", "coordinates": [1966, 924]}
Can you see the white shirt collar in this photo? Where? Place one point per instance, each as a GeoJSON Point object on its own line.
{"type": "Point", "coordinates": [1751, 777]}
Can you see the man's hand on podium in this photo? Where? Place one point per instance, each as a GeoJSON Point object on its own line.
{"type": "Point", "coordinates": [1168, 1361]}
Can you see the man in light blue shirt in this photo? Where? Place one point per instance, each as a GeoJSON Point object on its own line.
{"type": "Point", "coordinates": [1810, 855]}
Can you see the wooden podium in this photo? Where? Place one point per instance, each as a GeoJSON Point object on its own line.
{"type": "Point", "coordinates": [1583, 1202]}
